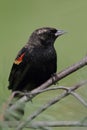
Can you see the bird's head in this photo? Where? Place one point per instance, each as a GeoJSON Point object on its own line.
{"type": "Point", "coordinates": [46, 35]}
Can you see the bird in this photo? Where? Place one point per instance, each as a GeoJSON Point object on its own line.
{"type": "Point", "coordinates": [36, 62]}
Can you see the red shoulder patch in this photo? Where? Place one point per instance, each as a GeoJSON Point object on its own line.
{"type": "Point", "coordinates": [19, 59]}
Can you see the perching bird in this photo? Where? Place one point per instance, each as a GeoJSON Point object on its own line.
{"type": "Point", "coordinates": [36, 62]}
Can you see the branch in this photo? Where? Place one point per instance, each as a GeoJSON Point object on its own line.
{"type": "Point", "coordinates": [40, 124]}
{"type": "Point", "coordinates": [47, 105]}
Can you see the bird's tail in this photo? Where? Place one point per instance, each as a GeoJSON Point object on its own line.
{"type": "Point", "coordinates": [14, 110]}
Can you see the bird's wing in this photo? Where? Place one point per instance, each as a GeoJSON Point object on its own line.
{"type": "Point", "coordinates": [17, 68]}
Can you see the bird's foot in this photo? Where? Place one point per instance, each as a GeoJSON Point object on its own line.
{"type": "Point", "coordinates": [27, 94]}
{"type": "Point", "coordinates": [54, 77]}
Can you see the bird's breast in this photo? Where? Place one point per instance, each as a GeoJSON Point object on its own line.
{"type": "Point", "coordinates": [44, 59]}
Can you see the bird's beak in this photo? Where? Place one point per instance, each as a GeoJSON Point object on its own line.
{"type": "Point", "coordinates": [59, 33]}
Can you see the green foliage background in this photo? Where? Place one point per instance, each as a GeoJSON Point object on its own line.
{"type": "Point", "coordinates": [18, 18]}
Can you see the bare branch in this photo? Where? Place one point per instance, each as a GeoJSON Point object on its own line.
{"type": "Point", "coordinates": [39, 124]}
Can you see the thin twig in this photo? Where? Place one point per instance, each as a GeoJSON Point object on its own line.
{"type": "Point", "coordinates": [77, 96]}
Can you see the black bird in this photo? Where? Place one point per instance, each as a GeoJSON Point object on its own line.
{"type": "Point", "coordinates": [36, 61]}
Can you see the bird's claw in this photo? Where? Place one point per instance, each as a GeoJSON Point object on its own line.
{"type": "Point", "coordinates": [54, 76]}
{"type": "Point", "coordinates": [27, 94]}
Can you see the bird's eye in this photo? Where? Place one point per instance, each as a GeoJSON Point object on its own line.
{"type": "Point", "coordinates": [54, 31]}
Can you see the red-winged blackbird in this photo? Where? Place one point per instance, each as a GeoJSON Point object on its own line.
{"type": "Point", "coordinates": [36, 61]}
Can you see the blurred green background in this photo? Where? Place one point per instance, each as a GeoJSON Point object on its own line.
{"type": "Point", "coordinates": [18, 18]}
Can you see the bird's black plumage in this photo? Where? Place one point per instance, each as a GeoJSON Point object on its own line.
{"type": "Point", "coordinates": [36, 61]}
